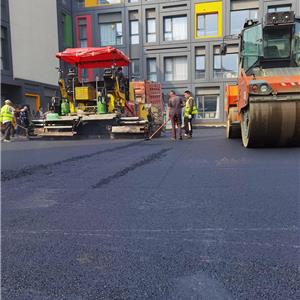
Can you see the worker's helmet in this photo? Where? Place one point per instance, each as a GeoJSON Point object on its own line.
{"type": "Point", "coordinates": [7, 101]}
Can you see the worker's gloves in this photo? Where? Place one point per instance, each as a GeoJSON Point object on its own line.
{"type": "Point", "coordinates": [190, 116]}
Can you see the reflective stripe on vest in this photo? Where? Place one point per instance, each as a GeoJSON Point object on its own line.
{"type": "Point", "coordinates": [6, 114]}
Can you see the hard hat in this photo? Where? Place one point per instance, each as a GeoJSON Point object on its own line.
{"type": "Point", "coordinates": [7, 101]}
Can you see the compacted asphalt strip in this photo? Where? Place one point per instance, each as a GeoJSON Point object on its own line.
{"type": "Point", "coordinates": [124, 219]}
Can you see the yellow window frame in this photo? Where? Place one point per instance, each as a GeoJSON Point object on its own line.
{"type": "Point", "coordinates": [94, 3]}
{"type": "Point", "coordinates": [208, 8]}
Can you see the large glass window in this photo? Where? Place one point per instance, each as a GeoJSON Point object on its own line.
{"type": "Point", "coordinates": [252, 46]}
{"type": "Point", "coordinates": [279, 8]}
{"type": "Point", "coordinates": [151, 69]}
{"type": "Point", "coordinates": [175, 28]}
{"type": "Point", "coordinates": [111, 34]}
{"type": "Point", "coordinates": [134, 32]}
{"type": "Point", "coordinates": [208, 107]}
{"type": "Point", "coordinates": [226, 66]}
{"type": "Point", "coordinates": [207, 25]}
{"type": "Point", "coordinates": [239, 17]}
{"type": "Point", "coordinates": [4, 49]}
{"type": "Point", "coordinates": [151, 30]}
{"type": "Point", "coordinates": [176, 68]}
{"type": "Point", "coordinates": [277, 43]}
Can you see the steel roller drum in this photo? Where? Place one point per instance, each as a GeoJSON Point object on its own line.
{"type": "Point", "coordinates": [271, 123]}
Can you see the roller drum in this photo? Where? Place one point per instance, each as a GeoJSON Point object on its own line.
{"type": "Point", "coordinates": [274, 123]}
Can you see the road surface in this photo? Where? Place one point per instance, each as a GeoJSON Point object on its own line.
{"type": "Point", "coordinates": [194, 219]}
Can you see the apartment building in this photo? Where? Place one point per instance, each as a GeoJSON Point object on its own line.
{"type": "Point", "coordinates": [30, 37]}
{"type": "Point", "coordinates": [175, 42]}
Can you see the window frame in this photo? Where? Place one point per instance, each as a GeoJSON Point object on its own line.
{"type": "Point", "coordinates": [149, 74]}
{"type": "Point", "coordinates": [174, 57]}
{"type": "Point", "coordinates": [202, 100]}
{"type": "Point", "coordinates": [134, 35]}
{"type": "Point", "coordinates": [80, 27]}
{"type": "Point", "coordinates": [135, 62]}
{"type": "Point", "coordinates": [150, 33]}
{"type": "Point", "coordinates": [276, 6]}
{"type": "Point", "coordinates": [171, 18]}
{"type": "Point", "coordinates": [208, 8]}
{"type": "Point", "coordinates": [205, 35]}
{"type": "Point", "coordinates": [235, 10]}
{"type": "Point", "coordinates": [204, 65]}
{"type": "Point", "coordinates": [222, 57]}
{"type": "Point", "coordinates": [116, 35]}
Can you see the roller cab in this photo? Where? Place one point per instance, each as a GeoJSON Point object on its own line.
{"type": "Point", "coordinates": [268, 96]}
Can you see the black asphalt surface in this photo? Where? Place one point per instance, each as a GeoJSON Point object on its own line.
{"type": "Point", "coordinates": [194, 219]}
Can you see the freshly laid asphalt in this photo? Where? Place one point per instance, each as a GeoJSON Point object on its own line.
{"type": "Point", "coordinates": [128, 219]}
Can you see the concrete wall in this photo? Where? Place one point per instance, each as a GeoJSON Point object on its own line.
{"type": "Point", "coordinates": [34, 43]}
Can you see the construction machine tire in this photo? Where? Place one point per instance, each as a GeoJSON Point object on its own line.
{"type": "Point", "coordinates": [270, 124]}
{"type": "Point", "coordinates": [233, 131]}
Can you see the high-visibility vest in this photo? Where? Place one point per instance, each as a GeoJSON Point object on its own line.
{"type": "Point", "coordinates": [190, 110]}
{"type": "Point", "coordinates": [6, 114]}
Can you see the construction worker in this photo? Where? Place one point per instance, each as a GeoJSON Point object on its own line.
{"type": "Point", "coordinates": [189, 111]}
{"type": "Point", "coordinates": [7, 118]}
{"type": "Point", "coordinates": [175, 110]}
{"type": "Point", "coordinates": [121, 78]}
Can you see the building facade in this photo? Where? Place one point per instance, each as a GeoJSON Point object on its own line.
{"type": "Point", "coordinates": [30, 37]}
{"type": "Point", "coordinates": [176, 43]}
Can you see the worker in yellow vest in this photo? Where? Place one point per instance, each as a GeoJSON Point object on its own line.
{"type": "Point", "coordinates": [190, 110]}
{"type": "Point", "coordinates": [7, 119]}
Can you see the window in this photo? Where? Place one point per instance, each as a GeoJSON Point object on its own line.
{"type": "Point", "coordinates": [226, 66]}
{"type": "Point", "coordinates": [67, 30]}
{"type": "Point", "coordinates": [208, 107]}
{"type": "Point", "coordinates": [252, 46]}
{"type": "Point", "coordinates": [133, 1]}
{"type": "Point", "coordinates": [80, 3]}
{"type": "Point", "coordinates": [176, 68]}
{"type": "Point", "coordinates": [151, 69]}
{"type": "Point", "coordinates": [207, 25]}
{"type": "Point", "coordinates": [4, 49]}
{"type": "Point", "coordinates": [200, 63]}
{"type": "Point", "coordinates": [82, 33]}
{"type": "Point", "coordinates": [135, 68]}
{"type": "Point", "coordinates": [151, 31]}
{"type": "Point", "coordinates": [239, 17]}
{"type": "Point", "coordinates": [279, 8]}
{"type": "Point", "coordinates": [208, 19]}
{"type": "Point", "coordinates": [111, 34]}
{"type": "Point", "coordinates": [175, 28]}
{"type": "Point", "coordinates": [296, 52]}
{"type": "Point", "coordinates": [277, 43]}
{"type": "Point", "coordinates": [134, 32]}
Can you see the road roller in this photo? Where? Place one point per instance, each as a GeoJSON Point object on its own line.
{"type": "Point", "coordinates": [263, 108]}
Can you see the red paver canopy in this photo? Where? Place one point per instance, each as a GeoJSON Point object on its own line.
{"type": "Point", "coordinates": [93, 57]}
